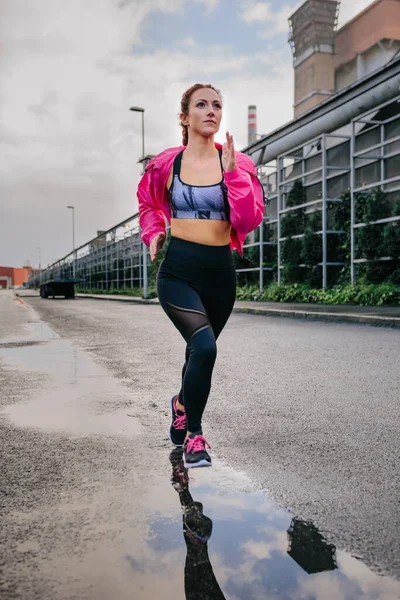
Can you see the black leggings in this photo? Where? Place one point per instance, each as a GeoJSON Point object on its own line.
{"type": "Point", "coordinates": [196, 287]}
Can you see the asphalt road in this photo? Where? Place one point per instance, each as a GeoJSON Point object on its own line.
{"type": "Point", "coordinates": [304, 414]}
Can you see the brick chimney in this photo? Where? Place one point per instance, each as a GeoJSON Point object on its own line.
{"type": "Point", "coordinates": [312, 37]}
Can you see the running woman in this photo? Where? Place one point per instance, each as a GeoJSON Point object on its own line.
{"type": "Point", "coordinates": [212, 198]}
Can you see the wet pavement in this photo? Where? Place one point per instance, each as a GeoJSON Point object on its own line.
{"type": "Point", "coordinates": [95, 505]}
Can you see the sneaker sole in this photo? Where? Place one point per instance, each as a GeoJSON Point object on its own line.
{"type": "Point", "coordinates": [200, 463]}
{"type": "Point", "coordinates": [169, 432]}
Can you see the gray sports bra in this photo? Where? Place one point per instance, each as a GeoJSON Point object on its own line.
{"type": "Point", "coordinates": [198, 201]}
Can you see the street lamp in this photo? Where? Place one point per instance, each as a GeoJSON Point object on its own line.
{"type": "Point", "coordinates": [73, 239]}
{"type": "Point", "coordinates": [141, 110]}
{"type": "Point", "coordinates": [145, 283]}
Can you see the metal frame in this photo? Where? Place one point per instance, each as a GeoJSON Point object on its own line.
{"type": "Point", "coordinates": [381, 182]}
{"type": "Point", "coordinates": [267, 219]}
{"type": "Point", "coordinates": [297, 155]}
{"type": "Point", "coordinates": [119, 244]}
{"type": "Point", "coordinates": [104, 255]}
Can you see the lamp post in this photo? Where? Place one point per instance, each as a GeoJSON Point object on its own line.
{"type": "Point", "coordinates": [73, 239]}
{"type": "Point", "coordinates": [141, 110]}
{"type": "Point", "coordinates": [144, 250]}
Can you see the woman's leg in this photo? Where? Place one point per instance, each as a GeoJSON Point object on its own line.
{"type": "Point", "coordinates": [218, 306]}
{"type": "Point", "coordinates": [184, 307]}
{"type": "Point", "coordinates": [181, 399]}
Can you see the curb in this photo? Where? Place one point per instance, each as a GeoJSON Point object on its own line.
{"type": "Point", "coordinates": [322, 316]}
{"type": "Point", "coordinates": [374, 320]}
{"type": "Point", "coordinates": [133, 299]}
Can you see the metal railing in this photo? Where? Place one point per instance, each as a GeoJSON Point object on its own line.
{"type": "Point", "coordinates": [327, 165]}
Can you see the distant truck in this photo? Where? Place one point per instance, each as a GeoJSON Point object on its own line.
{"type": "Point", "coordinates": [59, 287]}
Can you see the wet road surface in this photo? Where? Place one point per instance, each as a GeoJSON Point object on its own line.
{"type": "Point", "coordinates": [95, 505]}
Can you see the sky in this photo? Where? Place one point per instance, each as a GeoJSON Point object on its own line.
{"type": "Point", "coordinates": [69, 71]}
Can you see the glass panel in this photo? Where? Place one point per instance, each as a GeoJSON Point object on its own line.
{"type": "Point", "coordinates": [271, 208]}
{"type": "Point", "coordinates": [392, 167]}
{"type": "Point", "coordinates": [339, 156]}
{"type": "Point", "coordinates": [269, 182]}
{"type": "Point", "coordinates": [368, 138]}
{"type": "Point", "coordinates": [270, 232]}
{"type": "Point", "coordinates": [293, 170]}
{"type": "Point", "coordinates": [369, 174]}
{"type": "Point", "coordinates": [392, 129]}
{"type": "Point", "coordinates": [337, 185]}
{"type": "Point", "coordinates": [393, 147]}
{"type": "Point", "coordinates": [313, 177]}
{"type": "Point", "coordinates": [313, 162]}
{"type": "Point", "coordinates": [392, 186]}
{"type": "Point", "coordinates": [368, 156]}
{"type": "Point", "coordinates": [314, 192]}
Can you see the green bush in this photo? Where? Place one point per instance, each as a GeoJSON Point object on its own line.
{"type": "Point", "coordinates": [136, 292]}
{"type": "Point", "coordinates": [362, 294]}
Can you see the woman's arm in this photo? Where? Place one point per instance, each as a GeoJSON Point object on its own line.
{"type": "Point", "coordinates": [246, 199]}
{"type": "Point", "coordinates": [151, 220]}
{"type": "Point", "coordinates": [245, 192]}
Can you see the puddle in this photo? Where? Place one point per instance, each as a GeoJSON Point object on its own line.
{"type": "Point", "coordinates": [239, 546]}
{"type": "Point", "coordinates": [168, 533]}
{"type": "Point", "coordinates": [35, 332]}
{"type": "Point", "coordinates": [81, 398]}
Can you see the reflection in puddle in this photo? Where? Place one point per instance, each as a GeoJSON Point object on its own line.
{"type": "Point", "coordinates": [127, 540]}
{"type": "Point", "coordinates": [200, 581]}
{"type": "Point", "coordinates": [81, 397]}
{"type": "Point", "coordinates": [309, 549]}
{"type": "Point", "coordinates": [240, 547]}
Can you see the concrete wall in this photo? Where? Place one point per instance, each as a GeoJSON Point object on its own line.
{"type": "Point", "coordinates": [15, 276]}
{"type": "Point", "coordinates": [365, 63]}
{"type": "Point", "coordinates": [379, 21]}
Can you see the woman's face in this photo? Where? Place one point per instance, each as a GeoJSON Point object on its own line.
{"type": "Point", "coordinates": [205, 112]}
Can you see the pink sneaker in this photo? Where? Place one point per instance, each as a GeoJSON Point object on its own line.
{"type": "Point", "coordinates": [195, 453]}
{"type": "Point", "coordinates": [177, 431]}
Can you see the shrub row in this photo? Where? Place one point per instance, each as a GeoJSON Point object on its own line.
{"type": "Point", "coordinates": [360, 294]}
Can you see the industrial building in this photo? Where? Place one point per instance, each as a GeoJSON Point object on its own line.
{"type": "Point", "coordinates": [344, 139]}
{"type": "Point", "coordinates": [346, 132]}
{"type": "Point", "coordinates": [11, 277]}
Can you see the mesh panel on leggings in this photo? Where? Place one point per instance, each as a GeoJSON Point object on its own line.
{"type": "Point", "coordinates": [188, 320]}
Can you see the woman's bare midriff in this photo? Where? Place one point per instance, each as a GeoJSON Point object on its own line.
{"type": "Point", "coordinates": [208, 232]}
{"type": "Point", "coordinates": [203, 231]}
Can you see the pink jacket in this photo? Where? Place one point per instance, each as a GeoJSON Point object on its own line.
{"type": "Point", "coordinates": [245, 197]}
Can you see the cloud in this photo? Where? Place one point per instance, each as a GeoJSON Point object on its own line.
{"type": "Point", "coordinates": [262, 12]}
{"type": "Point", "coordinates": [351, 8]}
{"type": "Point", "coordinates": [189, 41]}
{"type": "Point", "coordinates": [210, 5]}
{"type": "Point", "coordinates": [255, 12]}
{"type": "Point", "coordinates": [69, 73]}
{"type": "Point", "coordinates": [371, 584]}
{"type": "Point", "coordinates": [263, 549]}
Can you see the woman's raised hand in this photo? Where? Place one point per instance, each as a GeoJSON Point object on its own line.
{"type": "Point", "coordinates": [228, 154]}
{"type": "Point", "coordinates": [156, 244]}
